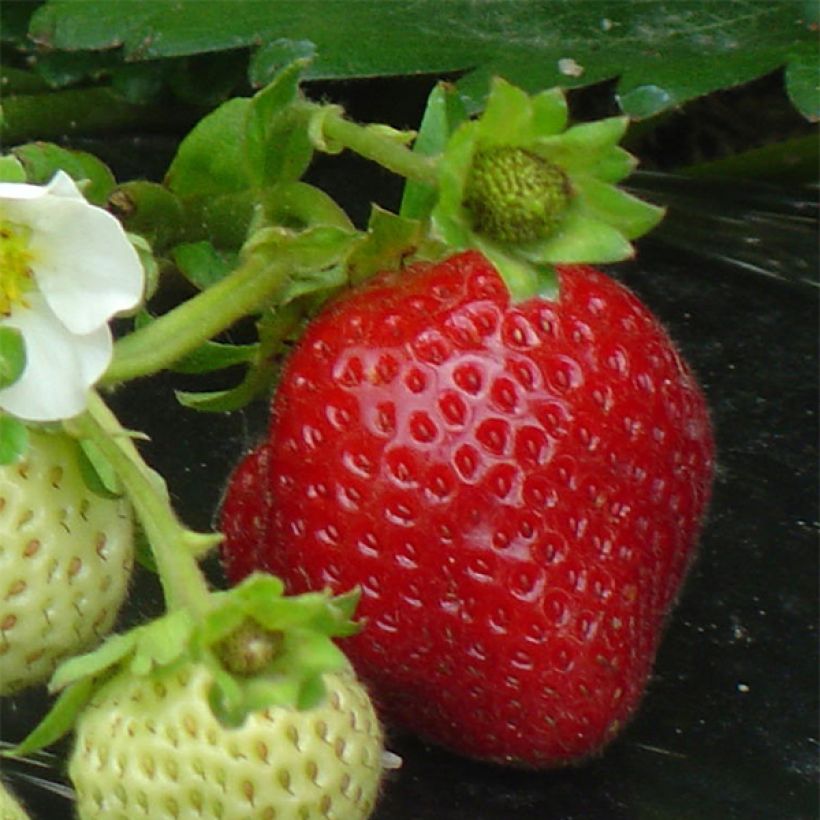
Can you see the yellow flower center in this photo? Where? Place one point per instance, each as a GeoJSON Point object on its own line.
{"type": "Point", "coordinates": [16, 275]}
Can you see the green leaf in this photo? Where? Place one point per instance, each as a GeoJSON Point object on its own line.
{"type": "Point", "coordinates": [444, 113]}
{"type": "Point", "coordinates": [13, 439]}
{"type": "Point", "coordinates": [12, 355]}
{"type": "Point", "coordinates": [43, 159]}
{"type": "Point", "coordinates": [664, 52]}
{"type": "Point", "coordinates": [59, 720]}
{"type": "Point", "coordinates": [210, 160]}
{"type": "Point", "coordinates": [803, 78]}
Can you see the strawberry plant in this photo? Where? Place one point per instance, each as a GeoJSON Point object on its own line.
{"type": "Point", "coordinates": [487, 447]}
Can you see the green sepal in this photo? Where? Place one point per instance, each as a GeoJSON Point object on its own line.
{"type": "Point", "coordinates": [85, 667]}
{"type": "Point", "coordinates": [276, 146]}
{"type": "Point", "coordinates": [273, 328]}
{"type": "Point", "coordinates": [158, 643]}
{"type": "Point", "coordinates": [12, 355]}
{"type": "Point", "coordinates": [215, 356]}
{"type": "Point", "coordinates": [11, 169]}
{"type": "Point", "coordinates": [42, 160]}
{"type": "Point", "coordinates": [162, 642]}
{"type": "Point", "coordinates": [580, 240]}
{"type": "Point", "coordinates": [522, 277]}
{"type": "Point", "coordinates": [96, 471]}
{"type": "Point", "coordinates": [443, 114]}
{"type": "Point", "coordinates": [150, 268]}
{"type": "Point", "coordinates": [143, 554]}
{"type": "Point", "coordinates": [622, 211]}
{"type": "Point", "coordinates": [13, 439]}
{"type": "Point", "coordinates": [298, 205]}
{"type": "Point", "coordinates": [149, 210]}
{"type": "Point", "coordinates": [58, 721]}
{"type": "Point", "coordinates": [594, 224]}
{"type": "Point", "coordinates": [389, 240]}
{"type": "Point", "coordinates": [579, 147]}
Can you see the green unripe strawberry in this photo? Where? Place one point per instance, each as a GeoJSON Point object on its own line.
{"type": "Point", "coordinates": [514, 195]}
{"type": "Point", "coordinates": [10, 808]}
{"type": "Point", "coordinates": [65, 560]}
{"type": "Point", "coordinates": [151, 748]}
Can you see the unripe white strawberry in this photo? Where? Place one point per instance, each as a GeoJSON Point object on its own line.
{"type": "Point", "coordinates": [65, 559]}
{"type": "Point", "coordinates": [10, 808]}
{"type": "Point", "coordinates": [151, 748]}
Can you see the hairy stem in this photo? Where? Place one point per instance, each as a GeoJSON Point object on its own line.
{"type": "Point", "coordinates": [173, 545]}
{"type": "Point", "coordinates": [373, 144]}
{"type": "Point", "coordinates": [152, 348]}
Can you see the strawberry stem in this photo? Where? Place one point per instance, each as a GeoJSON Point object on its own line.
{"type": "Point", "coordinates": [246, 290]}
{"type": "Point", "coordinates": [375, 144]}
{"type": "Point", "coordinates": [183, 583]}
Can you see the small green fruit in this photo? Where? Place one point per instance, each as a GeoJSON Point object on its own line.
{"type": "Point", "coordinates": [514, 195]}
{"type": "Point", "coordinates": [151, 748]}
{"type": "Point", "coordinates": [65, 560]}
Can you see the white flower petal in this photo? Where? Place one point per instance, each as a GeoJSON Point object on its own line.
{"type": "Point", "coordinates": [83, 262]}
{"type": "Point", "coordinates": [63, 185]}
{"type": "Point", "coordinates": [21, 190]}
{"type": "Point", "coordinates": [60, 366]}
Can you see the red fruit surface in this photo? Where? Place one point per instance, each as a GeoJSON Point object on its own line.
{"type": "Point", "coordinates": [516, 488]}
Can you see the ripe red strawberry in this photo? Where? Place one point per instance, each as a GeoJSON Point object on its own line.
{"type": "Point", "coordinates": [517, 489]}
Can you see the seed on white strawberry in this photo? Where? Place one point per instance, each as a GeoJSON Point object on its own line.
{"type": "Point", "coordinates": [151, 748]}
{"type": "Point", "coordinates": [10, 808]}
{"type": "Point", "coordinates": [65, 560]}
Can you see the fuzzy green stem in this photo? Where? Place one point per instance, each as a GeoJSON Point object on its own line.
{"type": "Point", "coordinates": [182, 581]}
{"type": "Point", "coordinates": [175, 334]}
{"type": "Point", "coordinates": [374, 145]}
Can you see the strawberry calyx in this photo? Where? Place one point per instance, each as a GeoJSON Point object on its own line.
{"type": "Point", "coordinates": [261, 647]}
{"type": "Point", "coordinates": [531, 192]}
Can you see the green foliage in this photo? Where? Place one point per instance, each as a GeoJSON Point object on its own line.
{"type": "Point", "coordinates": [664, 53]}
{"type": "Point", "coordinates": [12, 355]}
{"type": "Point", "coordinates": [42, 160]}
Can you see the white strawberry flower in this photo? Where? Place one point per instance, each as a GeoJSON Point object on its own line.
{"type": "Point", "coordinates": [66, 267]}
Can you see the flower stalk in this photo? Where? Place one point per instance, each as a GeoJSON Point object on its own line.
{"type": "Point", "coordinates": [255, 283]}
{"type": "Point", "coordinates": [173, 545]}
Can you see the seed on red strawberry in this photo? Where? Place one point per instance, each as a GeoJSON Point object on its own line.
{"type": "Point", "coordinates": [517, 488]}
{"type": "Point", "coordinates": [65, 561]}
